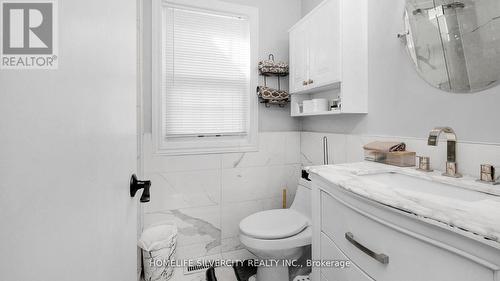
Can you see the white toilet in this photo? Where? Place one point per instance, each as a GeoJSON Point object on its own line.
{"type": "Point", "coordinates": [279, 234]}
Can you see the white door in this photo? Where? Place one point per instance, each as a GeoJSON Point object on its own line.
{"type": "Point", "coordinates": [299, 57]}
{"type": "Point", "coordinates": [325, 45]}
{"type": "Point", "coordinates": [67, 150]}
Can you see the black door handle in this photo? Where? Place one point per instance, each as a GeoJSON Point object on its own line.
{"type": "Point", "coordinates": [136, 184]}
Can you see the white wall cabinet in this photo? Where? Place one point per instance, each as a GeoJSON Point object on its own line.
{"type": "Point", "coordinates": [328, 52]}
{"type": "Point", "coordinates": [315, 48]}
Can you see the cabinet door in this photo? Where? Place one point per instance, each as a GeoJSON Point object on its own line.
{"type": "Point", "coordinates": [325, 45]}
{"type": "Point", "coordinates": [299, 57]}
{"type": "Point", "coordinates": [355, 57]}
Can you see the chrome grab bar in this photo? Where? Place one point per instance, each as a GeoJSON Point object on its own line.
{"type": "Point", "coordinates": [382, 258]}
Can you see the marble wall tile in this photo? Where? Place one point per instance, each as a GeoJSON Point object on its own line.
{"type": "Point", "coordinates": [245, 184]}
{"type": "Point", "coordinates": [208, 195]}
{"type": "Point", "coordinates": [275, 148]}
{"type": "Point", "coordinates": [470, 155]}
{"type": "Point", "coordinates": [158, 163]}
{"type": "Point", "coordinates": [292, 174]}
{"type": "Point", "coordinates": [177, 190]}
{"type": "Point", "coordinates": [337, 146]}
{"type": "Point", "coordinates": [271, 152]}
{"type": "Point", "coordinates": [354, 148]}
{"type": "Point", "coordinates": [292, 147]}
{"type": "Point", "coordinates": [311, 148]}
{"type": "Point", "coordinates": [170, 164]}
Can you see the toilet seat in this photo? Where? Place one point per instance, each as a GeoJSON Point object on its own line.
{"type": "Point", "coordinates": [274, 224]}
{"type": "Point", "coordinates": [301, 239]}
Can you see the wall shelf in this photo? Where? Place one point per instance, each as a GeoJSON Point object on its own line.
{"type": "Point", "coordinates": [332, 112]}
{"type": "Point", "coordinates": [331, 86]}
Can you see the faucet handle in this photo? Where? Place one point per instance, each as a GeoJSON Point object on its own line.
{"type": "Point", "coordinates": [488, 174]}
{"type": "Point", "coordinates": [451, 170]}
{"type": "Point", "coordinates": [433, 139]}
{"type": "Point", "coordinates": [424, 164]}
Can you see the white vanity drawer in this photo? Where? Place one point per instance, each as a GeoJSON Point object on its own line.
{"type": "Point", "coordinates": [410, 256]}
{"type": "Point", "coordinates": [330, 252]}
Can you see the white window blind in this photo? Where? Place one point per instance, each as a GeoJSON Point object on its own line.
{"type": "Point", "coordinates": [206, 73]}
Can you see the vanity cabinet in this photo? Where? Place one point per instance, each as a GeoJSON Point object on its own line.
{"type": "Point", "coordinates": [389, 245]}
{"type": "Point", "coordinates": [329, 53]}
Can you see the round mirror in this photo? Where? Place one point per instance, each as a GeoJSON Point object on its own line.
{"type": "Point", "coordinates": [455, 45]}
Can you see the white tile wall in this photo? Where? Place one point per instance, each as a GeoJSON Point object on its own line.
{"type": "Point", "coordinates": [348, 148]}
{"type": "Point", "coordinates": [254, 183]}
{"type": "Point", "coordinates": [208, 195]}
{"type": "Point", "coordinates": [311, 148]}
{"type": "Point", "coordinates": [181, 190]}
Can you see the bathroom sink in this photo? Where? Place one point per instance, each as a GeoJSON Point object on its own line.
{"type": "Point", "coordinates": [399, 181]}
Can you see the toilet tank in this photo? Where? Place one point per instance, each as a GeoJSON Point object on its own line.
{"type": "Point", "coordinates": [302, 201]}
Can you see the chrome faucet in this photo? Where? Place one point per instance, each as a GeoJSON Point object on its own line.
{"type": "Point", "coordinates": [451, 153]}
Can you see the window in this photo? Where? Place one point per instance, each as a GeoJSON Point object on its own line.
{"type": "Point", "coordinates": [204, 77]}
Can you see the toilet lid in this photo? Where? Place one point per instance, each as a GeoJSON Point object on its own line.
{"type": "Point", "coordinates": [274, 224]}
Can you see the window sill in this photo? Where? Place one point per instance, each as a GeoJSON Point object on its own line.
{"type": "Point", "coordinates": [199, 146]}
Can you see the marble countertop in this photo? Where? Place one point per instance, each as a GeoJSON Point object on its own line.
{"type": "Point", "coordinates": [481, 217]}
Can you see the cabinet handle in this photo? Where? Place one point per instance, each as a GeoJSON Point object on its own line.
{"type": "Point", "coordinates": [382, 258]}
{"type": "Point", "coordinates": [304, 83]}
{"type": "Point", "coordinates": [310, 81]}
